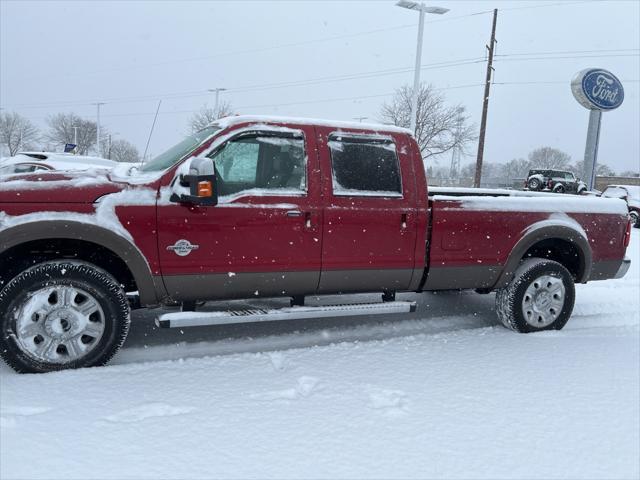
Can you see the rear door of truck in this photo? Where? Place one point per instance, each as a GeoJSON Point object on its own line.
{"type": "Point", "coordinates": [369, 215]}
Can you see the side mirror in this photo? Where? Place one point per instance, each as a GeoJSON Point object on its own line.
{"type": "Point", "coordinates": [201, 183]}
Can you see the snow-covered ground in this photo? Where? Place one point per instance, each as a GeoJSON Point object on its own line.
{"type": "Point", "coordinates": [441, 393]}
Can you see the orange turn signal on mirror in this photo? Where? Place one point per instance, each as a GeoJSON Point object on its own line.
{"type": "Point", "coordinates": [205, 189]}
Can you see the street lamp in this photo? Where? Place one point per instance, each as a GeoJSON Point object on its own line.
{"type": "Point", "coordinates": [422, 8]}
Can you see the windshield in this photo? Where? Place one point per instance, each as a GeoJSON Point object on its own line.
{"type": "Point", "coordinates": [632, 191]}
{"type": "Point", "coordinates": [177, 152]}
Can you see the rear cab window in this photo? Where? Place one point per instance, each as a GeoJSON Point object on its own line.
{"type": "Point", "coordinates": [364, 166]}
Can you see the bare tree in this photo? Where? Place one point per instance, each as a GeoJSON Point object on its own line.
{"type": "Point", "coordinates": [602, 169]}
{"type": "Point", "coordinates": [61, 131]}
{"type": "Point", "coordinates": [547, 157]}
{"type": "Point", "coordinates": [121, 150]}
{"type": "Point", "coordinates": [17, 132]}
{"type": "Point", "coordinates": [516, 168]}
{"type": "Point", "coordinates": [439, 127]}
{"type": "Point", "coordinates": [630, 173]}
{"type": "Point", "coordinates": [206, 115]}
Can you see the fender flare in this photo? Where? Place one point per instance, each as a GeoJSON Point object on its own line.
{"type": "Point", "coordinates": [570, 231]}
{"type": "Point", "coordinates": [149, 290]}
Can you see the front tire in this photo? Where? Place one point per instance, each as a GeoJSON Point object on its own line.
{"type": "Point", "coordinates": [540, 297]}
{"type": "Point", "coordinates": [559, 188]}
{"type": "Point", "coordinates": [60, 315]}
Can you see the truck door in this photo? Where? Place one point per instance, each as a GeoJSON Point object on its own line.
{"type": "Point", "coordinates": [369, 221]}
{"type": "Point", "coordinates": [264, 236]}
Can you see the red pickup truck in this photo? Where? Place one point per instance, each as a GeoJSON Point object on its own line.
{"type": "Point", "coordinates": [262, 207]}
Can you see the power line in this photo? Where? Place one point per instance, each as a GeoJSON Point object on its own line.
{"type": "Point", "coordinates": [545, 5]}
{"type": "Point", "coordinates": [304, 102]}
{"type": "Point", "coordinates": [332, 79]}
{"type": "Point", "coordinates": [569, 52]}
{"type": "Point", "coordinates": [304, 82]}
{"type": "Point", "coordinates": [270, 48]}
{"type": "Point", "coordinates": [553, 82]}
{"type": "Point", "coordinates": [524, 59]}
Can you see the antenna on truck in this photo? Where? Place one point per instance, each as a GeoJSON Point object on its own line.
{"type": "Point", "coordinates": [151, 132]}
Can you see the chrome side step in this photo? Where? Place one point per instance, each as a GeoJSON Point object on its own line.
{"type": "Point", "coordinates": [197, 319]}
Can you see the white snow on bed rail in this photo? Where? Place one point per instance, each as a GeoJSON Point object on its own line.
{"type": "Point", "coordinates": [544, 203]}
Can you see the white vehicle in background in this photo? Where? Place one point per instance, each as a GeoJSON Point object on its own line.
{"type": "Point", "coordinates": [28, 162]}
{"type": "Point", "coordinates": [631, 195]}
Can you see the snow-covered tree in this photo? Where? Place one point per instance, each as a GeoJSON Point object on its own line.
{"type": "Point", "coordinates": [206, 115]}
{"type": "Point", "coordinates": [548, 157]}
{"type": "Point", "coordinates": [121, 150]}
{"type": "Point", "coordinates": [602, 169]}
{"type": "Point", "coordinates": [16, 132]}
{"type": "Point", "coordinates": [439, 127]}
{"type": "Point", "coordinates": [61, 131]}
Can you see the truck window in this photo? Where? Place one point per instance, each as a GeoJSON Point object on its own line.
{"type": "Point", "coordinates": [365, 167]}
{"type": "Point", "coordinates": [274, 164]}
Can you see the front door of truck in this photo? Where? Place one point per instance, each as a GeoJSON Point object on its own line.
{"type": "Point", "coordinates": [370, 215]}
{"type": "Point", "coordinates": [264, 236]}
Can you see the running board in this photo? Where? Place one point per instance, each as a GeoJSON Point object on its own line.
{"type": "Point", "coordinates": [197, 319]}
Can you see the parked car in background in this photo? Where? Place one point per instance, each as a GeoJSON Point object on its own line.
{"type": "Point", "coordinates": [557, 181]}
{"type": "Point", "coordinates": [28, 162]}
{"type": "Point", "coordinates": [631, 195]}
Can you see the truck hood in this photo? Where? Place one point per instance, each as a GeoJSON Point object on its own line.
{"type": "Point", "coordinates": [58, 187]}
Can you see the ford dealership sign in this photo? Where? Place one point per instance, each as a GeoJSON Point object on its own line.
{"type": "Point", "coordinates": [597, 89]}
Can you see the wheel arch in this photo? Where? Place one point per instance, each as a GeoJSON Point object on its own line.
{"type": "Point", "coordinates": [566, 243]}
{"type": "Point", "coordinates": [47, 240]}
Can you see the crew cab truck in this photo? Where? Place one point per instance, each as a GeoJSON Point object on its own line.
{"type": "Point", "coordinates": [262, 207]}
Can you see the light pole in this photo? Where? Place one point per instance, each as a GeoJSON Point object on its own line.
{"type": "Point", "coordinates": [422, 8]}
{"type": "Point", "coordinates": [75, 135]}
{"type": "Point", "coordinates": [98, 128]}
{"type": "Point", "coordinates": [360, 119]}
{"type": "Point", "coordinates": [217, 92]}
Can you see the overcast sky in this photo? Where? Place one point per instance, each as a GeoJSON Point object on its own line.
{"type": "Point", "coordinates": [343, 59]}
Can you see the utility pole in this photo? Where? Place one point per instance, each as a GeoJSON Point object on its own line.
{"type": "Point", "coordinates": [485, 102]}
{"type": "Point", "coordinates": [217, 102]}
{"type": "Point", "coordinates": [98, 128]}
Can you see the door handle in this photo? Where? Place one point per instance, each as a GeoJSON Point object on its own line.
{"type": "Point", "coordinates": [403, 221]}
{"type": "Point", "coordinates": [294, 213]}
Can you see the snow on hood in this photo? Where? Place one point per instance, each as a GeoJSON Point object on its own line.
{"type": "Point", "coordinates": [57, 187]}
{"type": "Point", "coordinates": [104, 216]}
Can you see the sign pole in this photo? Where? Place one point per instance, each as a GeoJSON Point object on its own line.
{"type": "Point", "coordinates": [591, 148]}
{"type": "Point", "coordinates": [597, 90]}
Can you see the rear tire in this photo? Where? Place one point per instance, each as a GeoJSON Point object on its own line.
{"type": "Point", "coordinates": [540, 297]}
{"type": "Point", "coordinates": [60, 315]}
{"type": "Point", "coordinates": [534, 184]}
{"type": "Point", "coordinates": [635, 218]}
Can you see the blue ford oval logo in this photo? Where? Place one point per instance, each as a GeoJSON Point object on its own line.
{"type": "Point", "coordinates": [597, 89]}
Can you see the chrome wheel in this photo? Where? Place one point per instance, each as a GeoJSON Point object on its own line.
{"type": "Point", "coordinates": [59, 324]}
{"type": "Point", "coordinates": [543, 301]}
